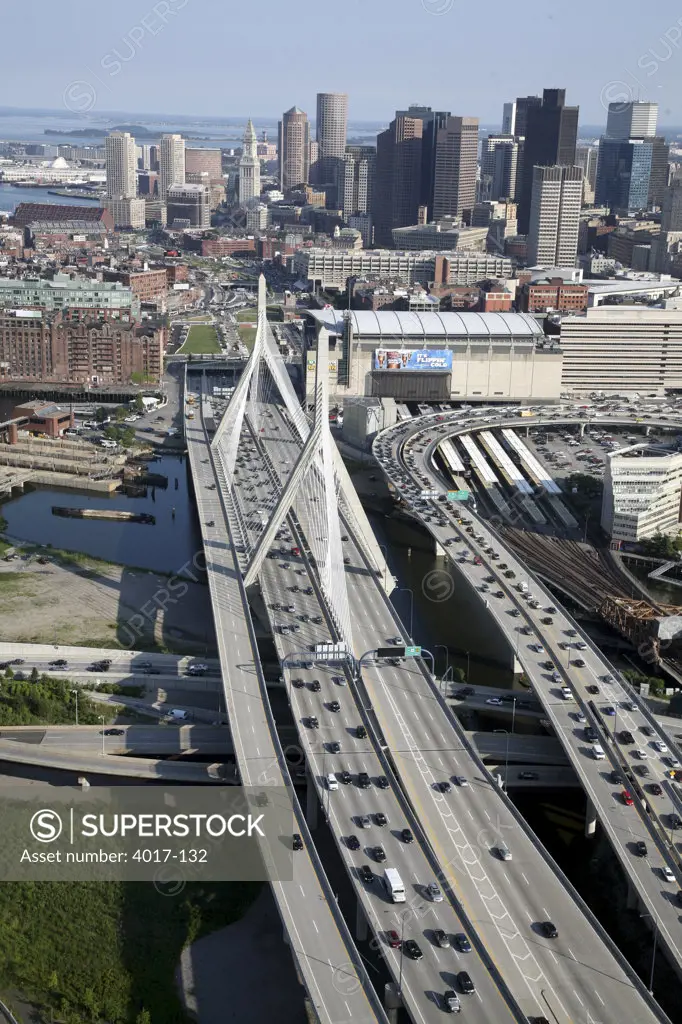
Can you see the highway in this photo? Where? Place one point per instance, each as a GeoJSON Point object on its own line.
{"type": "Point", "coordinates": [125, 739]}
{"type": "Point", "coordinates": [538, 644]}
{"type": "Point", "coordinates": [331, 969]}
{"type": "Point", "coordinates": [499, 896]}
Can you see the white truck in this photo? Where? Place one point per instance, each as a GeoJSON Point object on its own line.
{"type": "Point", "coordinates": [394, 885]}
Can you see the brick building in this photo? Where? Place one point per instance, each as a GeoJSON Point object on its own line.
{"type": "Point", "coordinates": [40, 346]}
{"type": "Point", "coordinates": [226, 246]}
{"type": "Point", "coordinates": [147, 285]}
{"type": "Point", "coordinates": [43, 418]}
{"type": "Point", "coordinates": [556, 295]}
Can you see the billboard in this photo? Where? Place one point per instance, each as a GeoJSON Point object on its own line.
{"type": "Point", "coordinates": [412, 359]}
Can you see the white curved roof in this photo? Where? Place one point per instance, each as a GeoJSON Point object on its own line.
{"type": "Point", "coordinates": [392, 324]}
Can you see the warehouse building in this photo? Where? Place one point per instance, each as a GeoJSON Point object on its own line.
{"type": "Point", "coordinates": [434, 357]}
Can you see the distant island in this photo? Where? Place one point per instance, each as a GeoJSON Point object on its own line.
{"type": "Point", "coordinates": [135, 129]}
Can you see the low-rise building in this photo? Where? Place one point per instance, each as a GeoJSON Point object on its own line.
{"type": "Point", "coordinates": [330, 269]}
{"type": "Point", "coordinates": [642, 493]}
{"type": "Point", "coordinates": [552, 296]}
{"type": "Point", "coordinates": [68, 292]}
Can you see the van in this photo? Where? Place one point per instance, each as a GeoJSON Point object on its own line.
{"type": "Point", "coordinates": [332, 783]}
{"type": "Point", "coordinates": [598, 752]}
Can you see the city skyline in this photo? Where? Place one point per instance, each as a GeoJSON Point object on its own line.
{"type": "Point", "coordinates": [119, 59]}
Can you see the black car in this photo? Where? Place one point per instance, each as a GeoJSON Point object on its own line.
{"type": "Point", "coordinates": [674, 821]}
{"type": "Point", "coordinates": [334, 747]}
{"type": "Point", "coordinates": [378, 854]}
{"type": "Point", "coordinates": [625, 736]}
{"type": "Point", "coordinates": [298, 682]}
{"type": "Point", "coordinates": [615, 776]}
{"type": "Point", "coordinates": [412, 950]}
{"type": "Point", "coordinates": [529, 775]}
{"type": "Point", "coordinates": [406, 836]}
{"type": "Point", "coordinates": [360, 732]}
{"type": "Point", "coordinates": [442, 787]}
{"type": "Point", "coordinates": [640, 848]}
{"type": "Point", "coordinates": [353, 843]}
{"type": "Point", "coordinates": [461, 942]}
{"type": "Point", "coordinates": [113, 732]}
{"type": "Point", "coordinates": [59, 663]}
{"type": "Point", "coordinates": [363, 780]}
{"type": "Point", "coordinates": [382, 782]}
{"type": "Point", "coordinates": [549, 930]}
{"type": "Point", "coordinates": [593, 688]}
{"type": "Point", "coordinates": [313, 723]}
{"type": "Point", "coordinates": [315, 686]}
{"type": "Point", "coordinates": [465, 983]}
{"type": "Point", "coordinates": [346, 778]}
{"type": "Point", "coordinates": [655, 789]}
{"type": "Point", "coordinates": [297, 842]}
{"type": "Point", "coordinates": [366, 874]}
{"type": "Point", "coordinates": [334, 706]}
{"type": "Point", "coordinates": [380, 819]}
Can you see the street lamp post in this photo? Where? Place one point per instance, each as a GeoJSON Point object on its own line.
{"type": "Point", "coordinates": [447, 656]}
{"type": "Point", "coordinates": [653, 918]}
{"type": "Point", "coordinates": [445, 680]}
{"type": "Point", "coordinates": [468, 664]}
{"type": "Point", "coordinates": [408, 590]}
{"type": "Point", "coordinates": [75, 693]}
{"type": "Point", "coordinates": [506, 756]}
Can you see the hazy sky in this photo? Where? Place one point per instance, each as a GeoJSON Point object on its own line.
{"type": "Point", "coordinates": [222, 58]}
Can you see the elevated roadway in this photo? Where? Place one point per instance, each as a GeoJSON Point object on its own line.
{"type": "Point", "coordinates": [426, 747]}
{"type": "Point", "coordinates": [406, 456]}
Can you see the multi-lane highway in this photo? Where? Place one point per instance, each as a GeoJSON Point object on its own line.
{"type": "Point", "coordinates": [331, 969]}
{"type": "Point", "coordinates": [507, 900]}
{"type": "Point", "coordinates": [554, 653]}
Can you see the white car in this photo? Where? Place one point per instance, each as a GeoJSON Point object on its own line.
{"type": "Point", "coordinates": [494, 700]}
{"type": "Point", "coordinates": [539, 649]}
{"type": "Point", "coordinates": [460, 780]}
{"type": "Point", "coordinates": [567, 693]}
{"type": "Point", "coordinates": [579, 717]}
{"type": "Point", "coordinates": [641, 754]}
{"type": "Point", "coordinates": [660, 746]}
{"type": "Point", "coordinates": [667, 873]}
{"type": "Point", "coordinates": [434, 893]}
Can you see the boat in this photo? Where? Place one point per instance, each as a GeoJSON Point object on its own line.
{"type": "Point", "coordinates": [103, 513]}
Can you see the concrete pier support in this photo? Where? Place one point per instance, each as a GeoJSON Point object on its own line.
{"type": "Point", "coordinates": [392, 1002]}
{"type": "Point", "coordinates": [360, 923]}
{"type": "Point", "coordinates": [440, 551]}
{"type": "Point", "coordinates": [582, 429]}
{"type": "Point", "coordinates": [590, 819]}
{"type": "Point", "coordinates": [311, 803]}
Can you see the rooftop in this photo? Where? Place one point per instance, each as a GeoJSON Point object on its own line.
{"type": "Point", "coordinates": [390, 325]}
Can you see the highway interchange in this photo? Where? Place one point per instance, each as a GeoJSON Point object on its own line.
{"type": "Point", "coordinates": [537, 645]}
{"type": "Point", "coordinates": [427, 748]}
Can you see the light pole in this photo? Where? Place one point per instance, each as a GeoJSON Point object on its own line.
{"type": "Point", "coordinates": [506, 756]}
{"type": "Point", "coordinates": [447, 656]}
{"type": "Point", "coordinates": [101, 718]}
{"type": "Point", "coordinates": [75, 693]}
{"type": "Point", "coordinates": [653, 918]}
{"type": "Point", "coordinates": [408, 590]}
{"type": "Point", "coordinates": [444, 680]}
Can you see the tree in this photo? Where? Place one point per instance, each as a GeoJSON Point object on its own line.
{"type": "Point", "coordinates": [101, 414]}
{"type": "Point", "coordinates": [35, 675]}
{"type": "Point", "coordinates": [139, 404]}
{"type": "Point", "coordinates": [143, 1017]}
{"type": "Point", "coordinates": [120, 413]}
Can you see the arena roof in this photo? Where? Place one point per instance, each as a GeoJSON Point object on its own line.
{"type": "Point", "coordinates": [390, 324]}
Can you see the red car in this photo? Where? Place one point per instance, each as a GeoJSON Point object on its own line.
{"type": "Point", "coordinates": [477, 560]}
{"type": "Point", "coordinates": [627, 799]}
{"type": "Point", "coordinates": [295, 551]}
{"type": "Point", "coordinates": [392, 938]}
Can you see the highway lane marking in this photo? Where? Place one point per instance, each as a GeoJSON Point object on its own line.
{"type": "Point", "coordinates": [524, 878]}
{"type": "Point", "coordinates": [315, 926]}
{"type": "Point", "coordinates": [599, 998]}
{"type": "Point", "coordinates": [578, 997]}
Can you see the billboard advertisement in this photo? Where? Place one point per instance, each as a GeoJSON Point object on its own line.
{"type": "Point", "coordinates": [412, 359]}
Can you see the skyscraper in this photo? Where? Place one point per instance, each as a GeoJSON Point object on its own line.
{"type": "Point", "coordinates": [524, 104]}
{"type": "Point", "coordinates": [587, 158]}
{"type": "Point", "coordinates": [121, 161]}
{"type": "Point", "coordinates": [658, 180]}
{"type": "Point", "coordinates": [499, 163]}
{"type": "Point", "coordinates": [551, 136]}
{"type": "Point", "coordinates": [509, 118]}
{"type": "Point", "coordinates": [249, 167]}
{"type": "Point", "coordinates": [171, 163]}
{"type": "Point", "coordinates": [331, 128]}
{"type": "Point", "coordinates": [359, 169]}
{"type": "Point", "coordinates": [294, 148]}
{"type": "Point", "coordinates": [398, 178]}
{"type": "Point", "coordinates": [456, 161]}
{"type": "Point", "coordinates": [556, 197]}
{"type": "Point", "coordinates": [432, 121]}
{"type": "Point", "coordinates": [623, 174]}
{"type": "Point", "coordinates": [635, 120]}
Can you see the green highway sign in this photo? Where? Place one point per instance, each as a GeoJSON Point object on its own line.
{"type": "Point", "coordinates": [458, 495]}
{"type": "Point", "coordinates": [412, 652]}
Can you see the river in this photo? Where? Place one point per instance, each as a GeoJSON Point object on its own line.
{"type": "Point", "coordinates": [11, 196]}
{"type": "Point", "coordinates": [164, 547]}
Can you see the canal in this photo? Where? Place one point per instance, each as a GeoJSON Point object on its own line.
{"type": "Point", "coordinates": [163, 547]}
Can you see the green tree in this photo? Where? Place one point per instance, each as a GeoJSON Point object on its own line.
{"type": "Point", "coordinates": [139, 404]}
{"type": "Point", "coordinates": [101, 414]}
{"type": "Point", "coordinates": [120, 413]}
{"type": "Point", "coordinates": [143, 1017]}
{"type": "Point", "coordinates": [35, 675]}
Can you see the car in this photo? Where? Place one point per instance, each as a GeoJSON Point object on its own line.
{"type": "Point", "coordinates": [549, 929]}
{"type": "Point", "coordinates": [366, 874]}
{"type": "Point", "coordinates": [654, 789]}
{"type": "Point", "coordinates": [382, 782]}
{"type": "Point", "coordinates": [640, 753]}
{"type": "Point", "coordinates": [360, 732]}
{"type": "Point", "coordinates": [647, 730]}
{"type": "Point", "coordinates": [113, 732]}
{"type": "Point", "coordinates": [352, 842]}
{"type": "Point", "coordinates": [406, 835]}
{"type": "Point", "coordinates": [17, 661]}
{"type": "Point", "coordinates": [334, 706]}
{"type": "Point", "coordinates": [626, 798]}
{"type": "Point", "coordinates": [297, 683]}
{"type": "Point", "coordinates": [451, 1001]}
{"type": "Point", "coordinates": [412, 950]}
{"type": "Point", "coordinates": [59, 663]}
{"type": "Point", "coordinates": [593, 688]}
{"type": "Point", "coordinates": [379, 854]}
{"type": "Point", "coordinates": [434, 893]}
{"type": "Point", "coordinates": [363, 780]}
{"type": "Point", "coordinates": [666, 874]}
{"type": "Point", "coordinates": [459, 780]}
{"type": "Point", "coordinates": [392, 938]}
{"type": "Point", "coordinates": [615, 776]}
{"type": "Point", "coordinates": [580, 717]}
{"type": "Point", "coordinates": [334, 747]}
{"type": "Point", "coordinates": [313, 722]}
{"type": "Point", "coordinates": [297, 842]}
{"type": "Point", "coordinates": [465, 983]}
{"type": "Point", "coordinates": [608, 711]}
{"type": "Point", "coordinates": [346, 777]}
{"type": "Point", "coordinates": [625, 736]}
{"type": "Point", "coordinates": [529, 776]}
{"type": "Point", "coordinates": [441, 938]}
{"type": "Point", "coordinates": [660, 747]}
{"type": "Point", "coordinates": [364, 820]}
{"type": "Point", "coordinates": [443, 787]}
{"type": "Point", "coordinates": [380, 819]}
{"type": "Point", "coordinates": [496, 701]}
{"type": "Point", "coordinates": [579, 663]}
{"type": "Point", "coordinates": [674, 821]}
{"type": "Point", "coordinates": [640, 848]}
{"type": "Point", "coordinates": [628, 705]}
{"type": "Point", "coordinates": [672, 762]}
{"type": "Point", "coordinates": [461, 942]}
